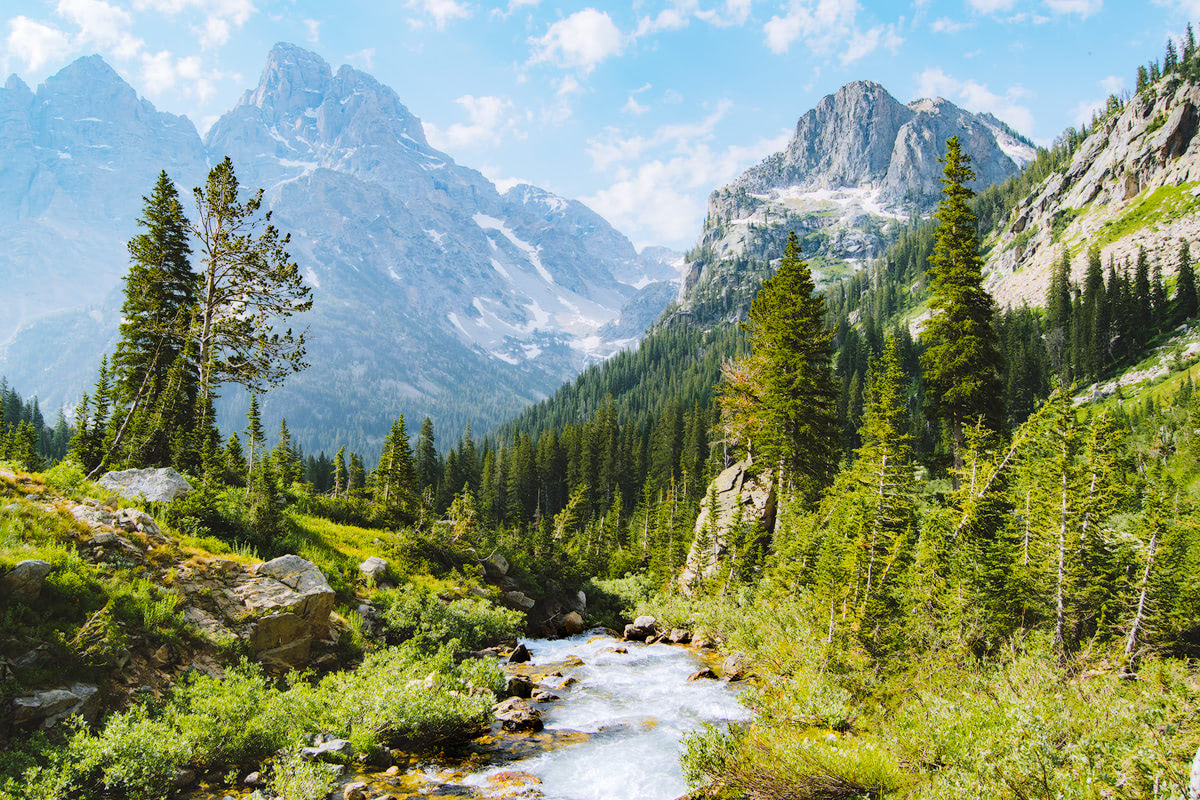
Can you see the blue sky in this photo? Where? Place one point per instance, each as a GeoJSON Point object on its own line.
{"type": "Point", "coordinates": [640, 109]}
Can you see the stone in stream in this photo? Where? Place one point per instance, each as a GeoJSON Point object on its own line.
{"type": "Point", "coordinates": [640, 629]}
{"type": "Point", "coordinates": [518, 686]}
{"type": "Point", "coordinates": [355, 791]}
{"type": "Point", "coordinates": [515, 714]}
{"type": "Point", "coordinates": [734, 666]}
{"type": "Point", "coordinates": [679, 636]}
{"type": "Point", "coordinates": [705, 674]}
{"type": "Point", "coordinates": [572, 624]}
{"type": "Point", "coordinates": [520, 655]}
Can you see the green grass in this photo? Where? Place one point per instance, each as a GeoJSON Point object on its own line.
{"type": "Point", "coordinates": [1148, 210]}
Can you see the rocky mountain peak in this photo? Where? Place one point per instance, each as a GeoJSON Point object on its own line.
{"type": "Point", "coordinates": [292, 81]}
{"type": "Point", "coordinates": [17, 89]}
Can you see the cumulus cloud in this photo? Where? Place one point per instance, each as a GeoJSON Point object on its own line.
{"type": "Point", "coordinates": [661, 200]}
{"type": "Point", "coordinates": [219, 18]}
{"type": "Point", "coordinates": [1084, 110]}
{"type": "Point", "coordinates": [992, 6]}
{"type": "Point", "coordinates": [34, 43]}
{"type": "Point", "coordinates": [1084, 8]}
{"type": "Point", "coordinates": [632, 106]}
{"type": "Point", "coordinates": [582, 40]}
{"type": "Point", "coordinates": [1187, 8]}
{"type": "Point", "coordinates": [101, 25]}
{"type": "Point", "coordinates": [977, 97]}
{"type": "Point", "coordinates": [947, 25]}
{"type": "Point", "coordinates": [363, 59]}
{"type": "Point", "coordinates": [826, 26]}
{"type": "Point", "coordinates": [488, 119]}
{"type": "Point", "coordinates": [162, 72]}
{"type": "Point", "coordinates": [314, 30]}
{"type": "Point", "coordinates": [440, 12]}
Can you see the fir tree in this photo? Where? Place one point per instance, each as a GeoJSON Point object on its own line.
{"type": "Point", "coordinates": [783, 399]}
{"type": "Point", "coordinates": [339, 472]}
{"type": "Point", "coordinates": [963, 362]}
{"type": "Point", "coordinates": [254, 441]}
{"type": "Point", "coordinates": [1185, 284]}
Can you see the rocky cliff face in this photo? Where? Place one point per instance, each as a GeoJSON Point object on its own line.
{"type": "Point", "coordinates": [433, 292]}
{"type": "Point", "coordinates": [1134, 182]}
{"type": "Point", "coordinates": [859, 165]}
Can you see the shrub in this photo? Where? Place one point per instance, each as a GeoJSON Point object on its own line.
{"type": "Point", "coordinates": [295, 778]}
{"type": "Point", "coordinates": [410, 613]}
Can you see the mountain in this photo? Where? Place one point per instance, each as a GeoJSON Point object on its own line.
{"type": "Point", "coordinates": [1133, 182]}
{"type": "Point", "coordinates": [434, 293]}
{"type": "Point", "coordinates": [860, 165]}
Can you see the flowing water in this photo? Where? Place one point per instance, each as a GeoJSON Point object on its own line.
{"type": "Point", "coordinates": [636, 706]}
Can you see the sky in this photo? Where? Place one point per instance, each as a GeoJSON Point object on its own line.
{"type": "Point", "coordinates": [639, 110]}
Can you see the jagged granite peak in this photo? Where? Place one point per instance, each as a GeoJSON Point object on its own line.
{"type": "Point", "coordinates": [859, 164]}
{"type": "Point", "coordinates": [434, 293]}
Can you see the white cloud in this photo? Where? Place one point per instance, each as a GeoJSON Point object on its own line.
{"type": "Point", "coordinates": [101, 25]}
{"type": "Point", "coordinates": [977, 97]}
{"type": "Point", "coordinates": [992, 6]}
{"type": "Point", "coordinates": [582, 40]}
{"type": "Point", "coordinates": [568, 86]}
{"type": "Point", "coordinates": [488, 119]}
{"type": "Point", "coordinates": [612, 148]}
{"type": "Point", "coordinates": [1084, 110]}
{"type": "Point", "coordinates": [632, 106]}
{"type": "Point", "coordinates": [669, 19]}
{"type": "Point", "coordinates": [732, 13]}
{"type": "Point", "coordinates": [503, 182]}
{"type": "Point", "coordinates": [1188, 8]}
{"type": "Point", "coordinates": [219, 18]}
{"type": "Point", "coordinates": [947, 25]}
{"type": "Point", "coordinates": [314, 30]}
{"type": "Point", "coordinates": [161, 72]}
{"type": "Point", "coordinates": [1084, 8]}
{"type": "Point", "coordinates": [662, 200]}
{"type": "Point", "coordinates": [34, 43]}
{"type": "Point", "coordinates": [442, 12]}
{"type": "Point", "coordinates": [363, 59]}
{"type": "Point", "coordinates": [826, 26]}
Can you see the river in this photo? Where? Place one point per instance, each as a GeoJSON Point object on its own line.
{"type": "Point", "coordinates": [637, 706]}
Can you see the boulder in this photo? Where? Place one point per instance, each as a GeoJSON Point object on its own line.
{"type": "Point", "coordinates": [679, 636]}
{"type": "Point", "coordinates": [705, 674]}
{"type": "Point", "coordinates": [520, 655]}
{"type": "Point", "coordinates": [287, 602]}
{"type": "Point", "coordinates": [373, 568]}
{"type": "Point", "coordinates": [734, 666]}
{"type": "Point", "coordinates": [155, 485]}
{"type": "Point", "coordinates": [572, 624]}
{"type": "Point", "coordinates": [515, 714]}
{"type": "Point", "coordinates": [354, 791]}
{"type": "Point", "coordinates": [518, 686]}
{"type": "Point", "coordinates": [495, 568]}
{"type": "Point", "coordinates": [519, 600]}
{"type": "Point", "coordinates": [24, 581]}
{"type": "Point", "coordinates": [641, 629]}
{"type": "Point", "coordinates": [333, 751]}
{"type": "Point", "coordinates": [47, 708]}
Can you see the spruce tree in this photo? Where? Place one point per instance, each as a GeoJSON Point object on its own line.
{"type": "Point", "coordinates": [254, 441]}
{"type": "Point", "coordinates": [339, 472]}
{"type": "Point", "coordinates": [787, 406]}
{"type": "Point", "coordinates": [963, 362]}
{"type": "Point", "coordinates": [160, 298]}
{"type": "Point", "coordinates": [1185, 284]}
{"type": "Point", "coordinates": [427, 464]}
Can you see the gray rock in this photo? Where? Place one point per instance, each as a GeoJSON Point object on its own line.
{"type": "Point", "coordinates": [738, 487]}
{"type": "Point", "coordinates": [705, 674]}
{"type": "Point", "coordinates": [156, 485]}
{"type": "Point", "coordinates": [25, 579]}
{"type": "Point", "coordinates": [734, 666]}
{"type": "Point", "coordinates": [48, 708]}
{"type": "Point", "coordinates": [519, 600]}
{"type": "Point", "coordinates": [104, 539]}
{"type": "Point", "coordinates": [495, 567]}
{"type": "Point", "coordinates": [679, 636]}
{"type": "Point", "coordinates": [373, 568]}
{"type": "Point", "coordinates": [520, 654]}
{"type": "Point", "coordinates": [518, 686]}
{"type": "Point", "coordinates": [288, 602]}
{"type": "Point", "coordinates": [333, 751]}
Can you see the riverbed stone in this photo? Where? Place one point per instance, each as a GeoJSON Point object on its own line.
{"type": "Point", "coordinates": [641, 629]}
{"type": "Point", "coordinates": [517, 715]}
{"type": "Point", "coordinates": [572, 624]}
{"type": "Point", "coordinates": [355, 791]}
{"type": "Point", "coordinates": [705, 674]}
{"type": "Point", "coordinates": [734, 666]}
{"type": "Point", "coordinates": [518, 686]}
{"type": "Point", "coordinates": [679, 636]}
{"type": "Point", "coordinates": [520, 655]}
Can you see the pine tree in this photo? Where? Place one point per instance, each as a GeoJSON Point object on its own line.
{"type": "Point", "coordinates": [786, 406]}
{"type": "Point", "coordinates": [963, 362]}
{"type": "Point", "coordinates": [1143, 302]}
{"type": "Point", "coordinates": [427, 465]}
{"type": "Point", "coordinates": [254, 441]}
{"type": "Point", "coordinates": [235, 462]}
{"type": "Point", "coordinates": [248, 286]}
{"type": "Point", "coordinates": [1185, 284]}
{"type": "Point", "coordinates": [339, 472]}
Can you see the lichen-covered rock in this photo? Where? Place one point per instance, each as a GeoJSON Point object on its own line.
{"type": "Point", "coordinates": [287, 603]}
{"type": "Point", "coordinates": [156, 485]}
{"type": "Point", "coordinates": [515, 714]}
{"type": "Point", "coordinates": [374, 568]}
{"type": "Point", "coordinates": [25, 579]}
{"type": "Point", "coordinates": [46, 709]}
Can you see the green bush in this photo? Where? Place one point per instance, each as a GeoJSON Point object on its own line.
{"type": "Point", "coordinates": [295, 778]}
{"type": "Point", "coordinates": [410, 613]}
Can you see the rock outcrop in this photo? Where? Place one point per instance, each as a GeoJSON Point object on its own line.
{"type": "Point", "coordinates": [739, 491]}
{"type": "Point", "coordinates": [156, 485]}
{"type": "Point", "coordinates": [46, 709]}
{"type": "Point", "coordinates": [24, 581]}
{"type": "Point", "coordinates": [1134, 182]}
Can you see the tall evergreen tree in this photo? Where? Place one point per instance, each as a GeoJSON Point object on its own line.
{"type": "Point", "coordinates": [1185, 284]}
{"type": "Point", "coordinates": [254, 441]}
{"type": "Point", "coordinates": [963, 362]}
{"type": "Point", "coordinates": [788, 404]}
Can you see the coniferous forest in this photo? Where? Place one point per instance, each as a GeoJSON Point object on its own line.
{"type": "Point", "coordinates": [977, 572]}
